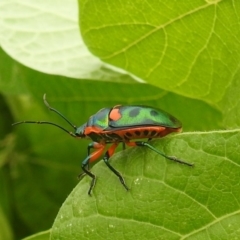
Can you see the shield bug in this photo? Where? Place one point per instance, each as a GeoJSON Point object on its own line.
{"type": "Point", "coordinates": [119, 124]}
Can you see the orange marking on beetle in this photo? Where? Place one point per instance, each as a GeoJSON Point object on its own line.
{"type": "Point", "coordinates": [131, 144]}
{"type": "Point", "coordinates": [96, 154]}
{"type": "Point", "coordinates": [111, 150]}
{"type": "Point", "coordinates": [115, 114]}
{"type": "Point", "coordinates": [92, 129]}
{"type": "Point", "coordinates": [138, 133]}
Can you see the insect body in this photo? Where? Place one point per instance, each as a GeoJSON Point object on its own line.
{"type": "Point", "coordinates": [119, 124]}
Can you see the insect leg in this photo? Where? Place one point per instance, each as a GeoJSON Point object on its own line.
{"type": "Point", "coordinates": [141, 144]}
{"type": "Point", "coordinates": [90, 146]}
{"type": "Point", "coordinates": [91, 158]}
{"type": "Point", "coordinates": [106, 157]}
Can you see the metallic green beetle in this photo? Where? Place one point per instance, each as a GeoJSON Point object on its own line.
{"type": "Point", "coordinates": [119, 124]}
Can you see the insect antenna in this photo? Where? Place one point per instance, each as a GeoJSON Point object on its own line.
{"type": "Point", "coordinates": [56, 111]}
{"type": "Point", "coordinates": [51, 123]}
{"type": "Point", "coordinates": [45, 122]}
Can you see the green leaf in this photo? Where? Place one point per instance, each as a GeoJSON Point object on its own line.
{"type": "Point", "coordinates": [188, 48]}
{"type": "Point", "coordinates": [230, 104]}
{"type": "Point", "coordinates": [45, 36]}
{"type": "Point", "coordinates": [40, 236]}
{"type": "Point", "coordinates": [166, 200]}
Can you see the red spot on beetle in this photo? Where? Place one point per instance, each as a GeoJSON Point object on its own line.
{"type": "Point", "coordinates": [115, 114]}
